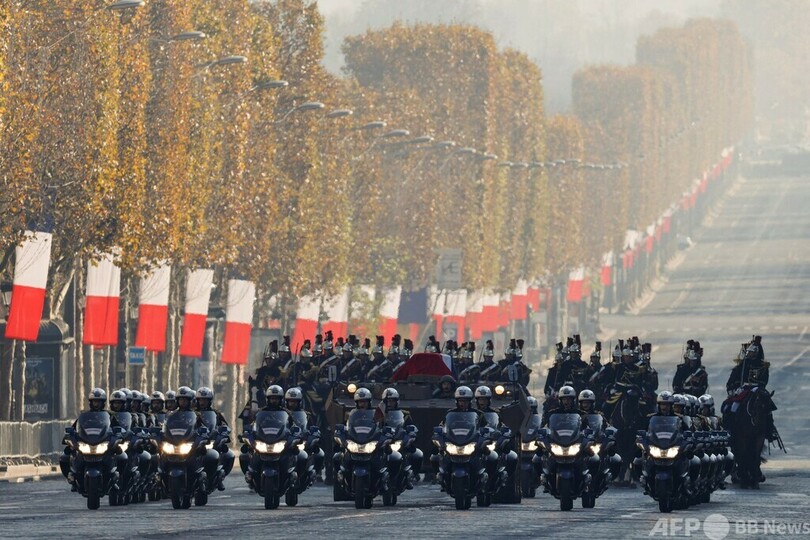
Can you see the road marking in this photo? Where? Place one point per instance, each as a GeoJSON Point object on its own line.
{"type": "Point", "coordinates": [801, 336]}
{"type": "Point", "coordinates": [778, 327]}
{"type": "Point", "coordinates": [794, 327]}
{"type": "Point", "coordinates": [793, 360]}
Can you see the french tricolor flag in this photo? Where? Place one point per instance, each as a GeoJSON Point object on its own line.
{"type": "Point", "coordinates": [33, 257]}
{"type": "Point", "coordinates": [238, 321]}
{"type": "Point", "coordinates": [306, 320]}
{"type": "Point", "coordinates": [389, 311]}
{"type": "Point", "coordinates": [455, 311]}
{"type": "Point", "coordinates": [101, 307]}
{"type": "Point", "coordinates": [576, 284]}
{"type": "Point", "coordinates": [198, 296]}
{"type": "Point", "coordinates": [153, 309]}
{"type": "Point", "coordinates": [337, 314]}
{"type": "Point", "coordinates": [490, 315]}
{"type": "Point", "coordinates": [363, 297]}
{"type": "Point", "coordinates": [520, 301]}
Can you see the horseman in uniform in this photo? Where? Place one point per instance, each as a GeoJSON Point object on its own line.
{"type": "Point", "coordinates": [750, 374]}
{"type": "Point", "coordinates": [691, 376]}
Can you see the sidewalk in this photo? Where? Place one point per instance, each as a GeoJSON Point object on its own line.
{"type": "Point", "coordinates": [28, 472]}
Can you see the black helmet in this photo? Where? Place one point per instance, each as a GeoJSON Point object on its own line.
{"type": "Point", "coordinates": [97, 398]}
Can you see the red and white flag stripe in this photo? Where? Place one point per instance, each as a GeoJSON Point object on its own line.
{"type": "Point", "coordinates": [238, 321]}
{"type": "Point", "coordinates": [475, 313]}
{"type": "Point", "coordinates": [32, 259]}
{"type": "Point", "coordinates": [153, 309]}
{"type": "Point", "coordinates": [337, 314]}
{"type": "Point", "coordinates": [607, 269]}
{"type": "Point", "coordinates": [306, 320]}
{"type": "Point", "coordinates": [576, 283]}
{"type": "Point", "coordinates": [520, 301]}
{"type": "Point", "coordinates": [389, 311]}
{"type": "Point", "coordinates": [102, 300]}
{"type": "Point", "coordinates": [489, 317]}
{"type": "Point", "coordinates": [198, 296]}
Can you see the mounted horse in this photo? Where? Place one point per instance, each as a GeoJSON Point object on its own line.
{"type": "Point", "coordinates": [747, 417]}
{"type": "Point", "coordinates": [627, 416]}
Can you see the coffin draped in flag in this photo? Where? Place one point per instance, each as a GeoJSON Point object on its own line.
{"type": "Point", "coordinates": [389, 310]}
{"type": "Point", "coordinates": [198, 296]}
{"type": "Point", "coordinates": [306, 320]}
{"type": "Point", "coordinates": [432, 365]}
{"type": "Point", "coordinates": [238, 321]}
{"type": "Point", "coordinates": [32, 259]}
{"type": "Point", "coordinates": [153, 309]}
{"type": "Point", "coordinates": [576, 285]}
{"type": "Point", "coordinates": [455, 314]}
{"type": "Point", "coordinates": [337, 314]}
{"type": "Point", "coordinates": [103, 296]}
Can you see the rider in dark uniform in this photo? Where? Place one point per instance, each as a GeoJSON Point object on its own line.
{"type": "Point", "coordinates": [568, 404]}
{"type": "Point", "coordinates": [752, 369]}
{"type": "Point", "coordinates": [691, 376]}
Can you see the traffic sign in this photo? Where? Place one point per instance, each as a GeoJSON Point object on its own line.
{"type": "Point", "coordinates": [136, 356]}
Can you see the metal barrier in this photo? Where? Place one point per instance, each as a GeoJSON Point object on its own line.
{"type": "Point", "coordinates": [26, 441]}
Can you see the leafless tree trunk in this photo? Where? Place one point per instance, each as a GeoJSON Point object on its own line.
{"type": "Point", "coordinates": [6, 374]}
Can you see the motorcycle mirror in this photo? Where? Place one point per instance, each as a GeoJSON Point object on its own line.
{"type": "Point", "coordinates": [202, 431]}
{"type": "Point", "coordinates": [388, 431]}
{"type": "Point", "coordinates": [69, 431]}
{"type": "Point", "coordinates": [412, 430]}
{"type": "Point", "coordinates": [437, 430]}
{"type": "Point", "coordinates": [118, 430]}
{"type": "Point", "coordinates": [296, 431]}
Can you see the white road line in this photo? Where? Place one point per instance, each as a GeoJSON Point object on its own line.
{"type": "Point", "coordinates": [801, 336]}
{"type": "Point", "coordinates": [793, 360]}
{"type": "Point", "coordinates": [794, 327]}
{"type": "Point", "coordinates": [778, 327]}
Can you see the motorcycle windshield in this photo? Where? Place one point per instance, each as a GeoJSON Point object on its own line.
{"type": "Point", "coordinates": [594, 421]}
{"type": "Point", "coordinates": [93, 427]}
{"type": "Point", "coordinates": [300, 419]}
{"type": "Point", "coordinates": [492, 420]}
{"type": "Point", "coordinates": [664, 431]}
{"type": "Point", "coordinates": [271, 426]}
{"type": "Point", "coordinates": [361, 427]}
{"type": "Point", "coordinates": [461, 428]}
{"type": "Point", "coordinates": [209, 418]}
{"type": "Point", "coordinates": [534, 424]}
{"type": "Point", "coordinates": [123, 419]}
{"type": "Point", "coordinates": [565, 428]}
{"type": "Point", "coordinates": [179, 426]}
{"type": "Point", "coordinates": [394, 419]}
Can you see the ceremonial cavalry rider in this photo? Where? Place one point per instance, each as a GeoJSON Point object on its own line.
{"type": "Point", "coordinates": [691, 376]}
{"type": "Point", "coordinates": [750, 373]}
{"type": "Point", "coordinates": [578, 370]}
{"type": "Point", "coordinates": [265, 377]}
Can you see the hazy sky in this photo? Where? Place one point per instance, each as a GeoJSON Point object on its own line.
{"type": "Point", "coordinates": [560, 35]}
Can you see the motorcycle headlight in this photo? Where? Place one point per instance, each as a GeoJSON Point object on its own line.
{"type": "Point", "coordinates": [273, 448]}
{"type": "Point", "coordinates": [355, 448]}
{"type": "Point", "coordinates": [595, 448]}
{"type": "Point", "coordinates": [530, 446]}
{"type": "Point", "coordinates": [666, 453]}
{"type": "Point", "coordinates": [96, 449]}
{"type": "Point", "coordinates": [559, 450]}
{"type": "Point", "coordinates": [396, 445]}
{"type": "Point", "coordinates": [180, 449]}
{"type": "Point", "coordinates": [491, 446]}
{"type": "Point", "coordinates": [465, 450]}
{"type": "Point", "coordinates": [302, 446]}
{"type": "Point", "coordinates": [124, 446]}
{"type": "Point", "coordinates": [209, 445]}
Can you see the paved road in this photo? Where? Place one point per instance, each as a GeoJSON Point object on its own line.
{"type": "Point", "coordinates": [748, 273]}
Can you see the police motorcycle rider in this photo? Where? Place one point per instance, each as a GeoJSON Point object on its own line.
{"type": "Point", "coordinates": [157, 407]}
{"type": "Point", "coordinates": [691, 376]}
{"type": "Point", "coordinates": [138, 418]}
{"type": "Point", "coordinates": [665, 406]}
{"type": "Point", "coordinates": [96, 402]}
{"type": "Point", "coordinates": [587, 405]}
{"type": "Point", "coordinates": [415, 457]}
{"type": "Point", "coordinates": [567, 404]}
{"type": "Point", "coordinates": [463, 396]}
{"type": "Point", "coordinates": [146, 410]}
{"type": "Point", "coordinates": [204, 398]}
{"type": "Point", "coordinates": [707, 411]}
{"type": "Point", "coordinates": [504, 442]}
{"type": "Point", "coordinates": [265, 376]}
{"type": "Point", "coordinates": [294, 402]}
{"type": "Point", "coordinates": [273, 401]}
{"type": "Point", "coordinates": [681, 406]}
{"type": "Point", "coordinates": [171, 401]}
